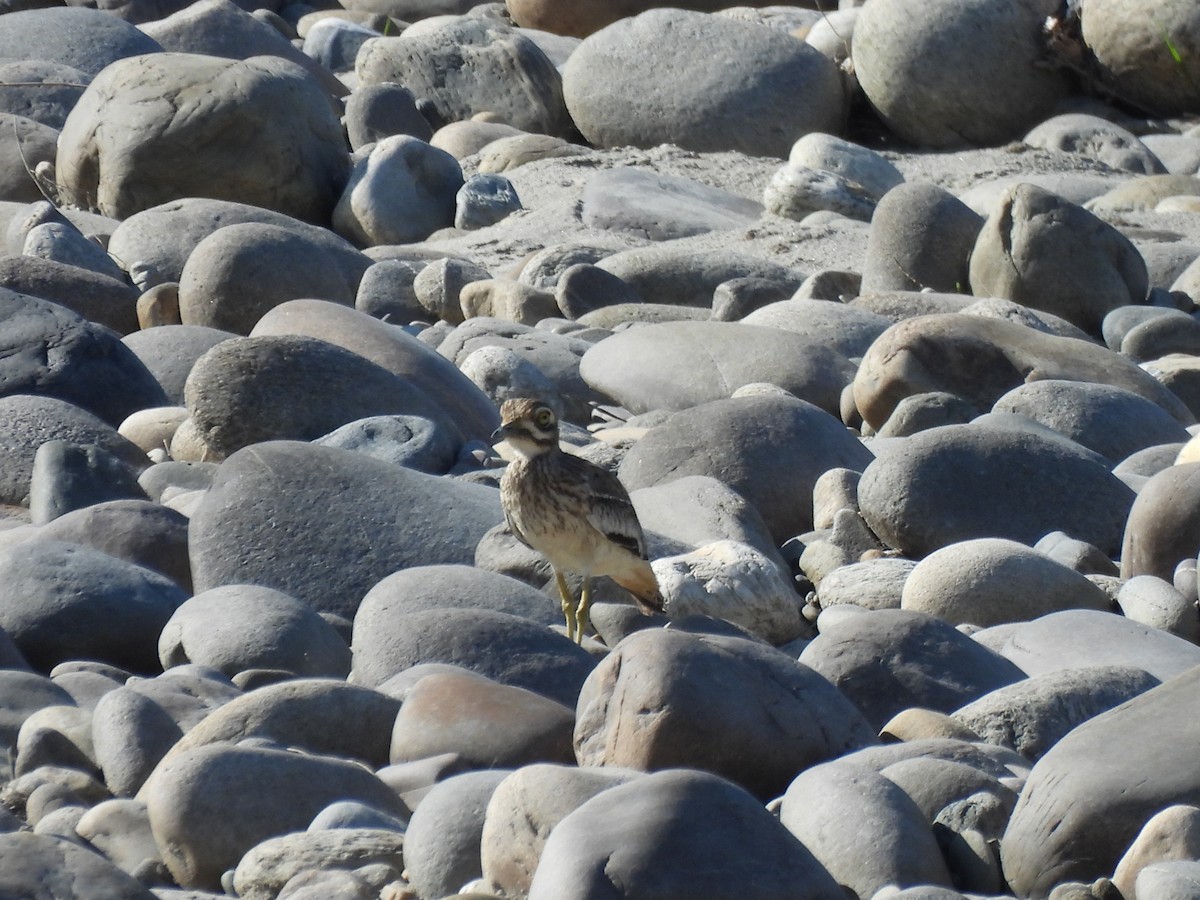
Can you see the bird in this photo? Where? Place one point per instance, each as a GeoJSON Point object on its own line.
{"type": "Point", "coordinates": [573, 512]}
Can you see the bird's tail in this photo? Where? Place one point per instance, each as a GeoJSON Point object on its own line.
{"type": "Point", "coordinates": [640, 582]}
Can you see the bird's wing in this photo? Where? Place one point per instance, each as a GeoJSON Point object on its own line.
{"type": "Point", "coordinates": [610, 510]}
{"type": "Point", "coordinates": [516, 532]}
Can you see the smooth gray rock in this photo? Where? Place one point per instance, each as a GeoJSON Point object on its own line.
{"type": "Point", "coordinates": [238, 627]}
{"type": "Point", "coordinates": [282, 387]}
{"type": "Point", "coordinates": [25, 145]}
{"type": "Point", "coordinates": [583, 287]}
{"type": "Point", "coordinates": [162, 238]}
{"type": "Point", "coordinates": [523, 811]}
{"type": "Point", "coordinates": [376, 111]}
{"type": "Point", "coordinates": [1095, 138]}
{"type": "Point", "coordinates": [871, 584]}
{"type": "Point", "coordinates": [506, 648]}
{"type": "Point", "coordinates": [351, 814]}
{"type": "Point", "coordinates": [1160, 527]}
{"type": "Point", "coordinates": [678, 365]}
{"type": "Point", "coordinates": [661, 207]}
{"type": "Point", "coordinates": [334, 43]}
{"type": "Point", "coordinates": [487, 724]}
{"type": "Point", "coordinates": [265, 134]}
{"type": "Point", "coordinates": [1050, 254]}
{"type": "Point", "coordinates": [238, 273]}
{"type": "Point", "coordinates": [393, 349]}
{"type": "Point", "coordinates": [771, 449]}
{"type": "Point", "coordinates": [323, 716]}
{"type": "Point", "coordinates": [1174, 880]}
{"type": "Point", "coordinates": [996, 91]}
{"type": "Point", "coordinates": [441, 845]}
{"type": "Point", "coordinates": [386, 291]}
{"type": "Point", "coordinates": [68, 601]}
{"type": "Point", "coordinates": [40, 90]}
{"type": "Point", "coordinates": [1084, 638]}
{"type": "Point", "coordinates": [67, 477]}
{"type": "Point", "coordinates": [439, 286]}
{"type": "Point", "coordinates": [260, 523]}
{"type": "Point", "coordinates": [50, 351]}
{"type": "Point", "coordinates": [402, 192]}
{"type": "Point", "coordinates": [472, 65]}
{"type": "Point", "coordinates": [921, 237]}
{"type": "Point", "coordinates": [988, 581]}
{"type": "Point", "coordinates": [957, 482]}
{"type": "Point", "coordinates": [889, 660]}
{"type": "Point", "coordinates": [651, 699]}
{"type": "Point", "coordinates": [95, 296]}
{"type": "Point", "coordinates": [648, 80]}
{"type": "Point", "coordinates": [1082, 807]}
{"type": "Point", "coordinates": [24, 694]}
{"type": "Point", "coordinates": [1032, 715]}
{"type": "Point", "coordinates": [1168, 835]}
{"type": "Point", "coordinates": [675, 275]}
{"type": "Point", "coordinates": [169, 351]}
{"type": "Point", "coordinates": [211, 804]}
{"type": "Point", "coordinates": [37, 865]}
{"type": "Point", "coordinates": [848, 330]}
{"type": "Point", "coordinates": [641, 839]}
{"type": "Point", "coordinates": [1074, 554]}
{"type": "Point", "coordinates": [1162, 336]}
{"type": "Point", "coordinates": [1153, 601]}
{"type": "Point", "coordinates": [84, 39]}
{"type": "Point", "coordinates": [421, 588]}
{"type": "Point", "coordinates": [864, 829]}
{"type": "Point", "coordinates": [119, 829]}
{"type": "Point", "coordinates": [131, 732]}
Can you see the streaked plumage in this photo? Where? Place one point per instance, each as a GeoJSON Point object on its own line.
{"type": "Point", "coordinates": [573, 512]}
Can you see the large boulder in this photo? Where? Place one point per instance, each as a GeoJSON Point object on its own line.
{"type": "Point", "coordinates": [85, 39]}
{"type": "Point", "coordinates": [1086, 800]}
{"type": "Point", "coordinates": [770, 448]}
{"type": "Point", "coordinates": [952, 73]}
{"type": "Point", "coordinates": [471, 65]}
{"type": "Point", "coordinates": [168, 125]}
{"type": "Point", "coordinates": [649, 80]}
{"type": "Point", "coordinates": [959, 482]}
{"type": "Point", "coordinates": [277, 516]}
{"type": "Point", "coordinates": [651, 702]}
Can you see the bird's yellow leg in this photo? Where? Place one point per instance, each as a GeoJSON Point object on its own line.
{"type": "Point", "coordinates": [583, 612]}
{"type": "Point", "coordinates": [568, 603]}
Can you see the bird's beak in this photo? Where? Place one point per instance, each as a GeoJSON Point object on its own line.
{"type": "Point", "coordinates": [500, 434]}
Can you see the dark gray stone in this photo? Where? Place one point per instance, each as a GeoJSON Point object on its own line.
{"type": "Point", "coordinates": [24, 693]}
{"type": "Point", "coordinates": [40, 90]}
{"type": "Point", "coordinates": [376, 111]}
{"type": "Point", "coordinates": [771, 449]}
{"type": "Point", "coordinates": [679, 365]}
{"type": "Point", "coordinates": [68, 477]}
{"type": "Point", "coordinates": [889, 660]}
{"type": "Point", "coordinates": [1174, 332]}
{"type": "Point", "coordinates": [25, 145]}
{"type": "Point", "coordinates": [51, 351]}
{"type": "Point", "coordinates": [281, 387]}
{"type": "Point", "coordinates": [68, 601]}
{"type": "Point", "coordinates": [641, 839]}
{"type": "Point", "coordinates": [661, 207]}
{"type": "Point", "coordinates": [170, 351]}
{"type": "Point", "coordinates": [386, 291]}
{"type": "Point", "coordinates": [965, 481]}
{"type": "Point", "coordinates": [484, 200]}
{"type": "Point", "coordinates": [84, 39]}
{"type": "Point", "coordinates": [642, 82]}
{"type": "Point", "coordinates": [921, 237]}
{"type": "Point", "coordinates": [1032, 715]}
{"type": "Point", "coordinates": [582, 288]}
{"type": "Point", "coordinates": [682, 277]}
{"type": "Point", "coordinates": [262, 523]}
{"type": "Point", "coordinates": [650, 702]}
{"type": "Point", "coordinates": [1082, 806]}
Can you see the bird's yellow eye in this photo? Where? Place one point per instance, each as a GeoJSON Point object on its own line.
{"type": "Point", "coordinates": [544, 418]}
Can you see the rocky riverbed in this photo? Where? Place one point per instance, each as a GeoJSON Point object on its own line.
{"type": "Point", "coordinates": [884, 315]}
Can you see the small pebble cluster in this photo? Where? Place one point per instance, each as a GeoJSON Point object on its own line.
{"type": "Point", "coordinates": [886, 316]}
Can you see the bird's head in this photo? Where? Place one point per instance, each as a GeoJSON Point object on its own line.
{"type": "Point", "coordinates": [529, 426]}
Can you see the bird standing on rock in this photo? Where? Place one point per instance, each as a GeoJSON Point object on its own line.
{"type": "Point", "coordinates": [573, 512]}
